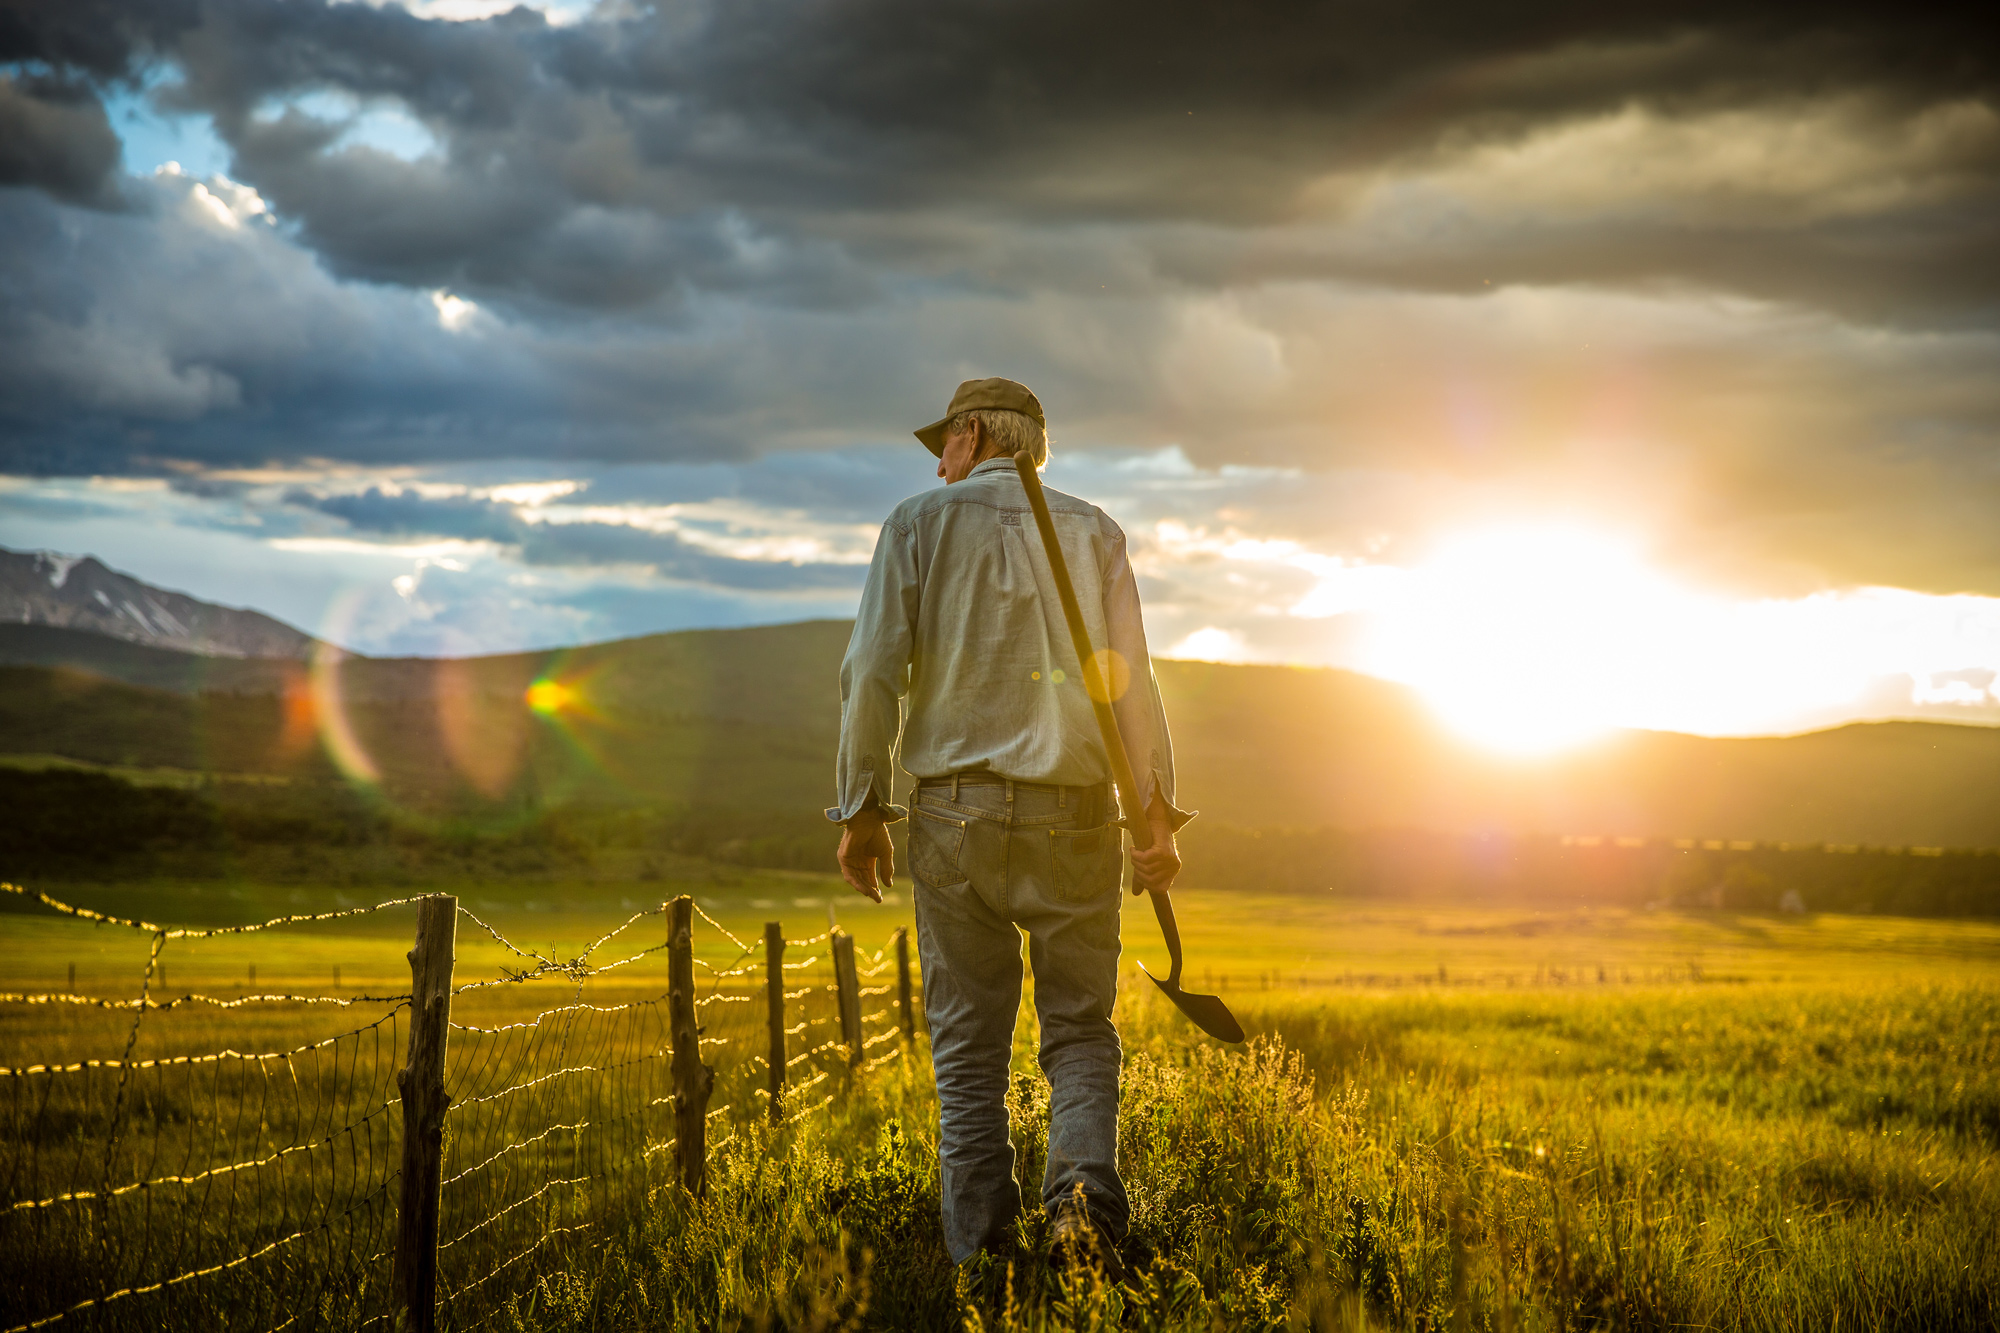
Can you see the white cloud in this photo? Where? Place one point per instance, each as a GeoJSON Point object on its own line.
{"type": "Point", "coordinates": [531, 494]}
{"type": "Point", "coordinates": [1212, 643]}
{"type": "Point", "coordinates": [736, 529]}
{"type": "Point", "coordinates": [437, 552]}
{"type": "Point", "coordinates": [467, 11]}
{"type": "Point", "coordinates": [454, 313]}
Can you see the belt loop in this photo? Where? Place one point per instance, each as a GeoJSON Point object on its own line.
{"type": "Point", "coordinates": [954, 789]}
{"type": "Point", "coordinates": [1010, 791]}
{"type": "Point", "coordinates": [1062, 798]}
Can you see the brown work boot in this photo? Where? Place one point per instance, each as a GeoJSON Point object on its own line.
{"type": "Point", "coordinates": [1079, 1243]}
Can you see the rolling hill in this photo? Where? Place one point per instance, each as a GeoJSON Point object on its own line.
{"type": "Point", "coordinates": [745, 721]}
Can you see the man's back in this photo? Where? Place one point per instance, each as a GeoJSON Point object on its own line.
{"type": "Point", "coordinates": [961, 611]}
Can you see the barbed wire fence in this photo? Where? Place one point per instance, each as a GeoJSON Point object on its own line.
{"type": "Point", "coordinates": [393, 1160]}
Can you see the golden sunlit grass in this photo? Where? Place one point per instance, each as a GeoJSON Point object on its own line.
{"type": "Point", "coordinates": [1520, 1119]}
{"type": "Point", "coordinates": [1803, 1154]}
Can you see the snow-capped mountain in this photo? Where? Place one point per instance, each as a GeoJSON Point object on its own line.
{"type": "Point", "coordinates": [79, 592]}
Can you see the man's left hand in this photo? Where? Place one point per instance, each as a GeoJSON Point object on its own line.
{"type": "Point", "coordinates": [864, 845]}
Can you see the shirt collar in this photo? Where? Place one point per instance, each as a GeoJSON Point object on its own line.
{"type": "Point", "coordinates": [992, 465]}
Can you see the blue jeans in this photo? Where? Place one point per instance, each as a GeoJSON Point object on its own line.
{"type": "Point", "coordinates": [1048, 863]}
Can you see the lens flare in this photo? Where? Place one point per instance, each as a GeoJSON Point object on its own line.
{"type": "Point", "coordinates": [484, 727]}
{"type": "Point", "coordinates": [335, 731]}
{"type": "Point", "coordinates": [550, 697]}
{"type": "Point", "coordinates": [497, 740]}
{"type": "Point", "coordinates": [301, 716]}
{"type": "Point", "coordinates": [1114, 673]}
{"type": "Point", "coordinates": [569, 698]}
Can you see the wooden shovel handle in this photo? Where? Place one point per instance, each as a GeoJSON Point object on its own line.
{"type": "Point", "coordinates": [1138, 820]}
{"type": "Point", "coordinates": [1095, 684]}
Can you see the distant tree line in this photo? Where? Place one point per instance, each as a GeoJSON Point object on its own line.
{"type": "Point", "coordinates": [65, 824]}
{"type": "Point", "coordinates": [71, 824]}
{"type": "Point", "coordinates": [1689, 874]}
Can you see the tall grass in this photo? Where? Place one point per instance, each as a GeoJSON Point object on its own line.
{"type": "Point", "coordinates": [1780, 1158]}
{"type": "Point", "coordinates": [1448, 1120]}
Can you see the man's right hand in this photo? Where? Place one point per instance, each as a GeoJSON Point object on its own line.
{"type": "Point", "coordinates": [864, 844]}
{"type": "Point", "coordinates": [1154, 869]}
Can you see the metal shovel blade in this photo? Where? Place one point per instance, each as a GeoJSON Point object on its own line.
{"type": "Point", "coordinates": [1207, 1012]}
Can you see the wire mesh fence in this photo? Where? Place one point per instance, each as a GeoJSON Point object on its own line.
{"type": "Point", "coordinates": [239, 1160]}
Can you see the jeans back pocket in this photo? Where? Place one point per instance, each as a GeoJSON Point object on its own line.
{"type": "Point", "coordinates": [1086, 861]}
{"type": "Point", "coordinates": [935, 843]}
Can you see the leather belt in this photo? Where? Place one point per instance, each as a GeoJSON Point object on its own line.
{"type": "Point", "coordinates": [1092, 801]}
{"type": "Point", "coordinates": [979, 777]}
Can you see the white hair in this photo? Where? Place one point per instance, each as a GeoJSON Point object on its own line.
{"type": "Point", "coordinates": [1012, 431]}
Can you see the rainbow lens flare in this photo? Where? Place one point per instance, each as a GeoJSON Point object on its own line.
{"type": "Point", "coordinates": [550, 697]}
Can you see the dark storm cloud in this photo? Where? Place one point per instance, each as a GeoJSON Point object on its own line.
{"type": "Point", "coordinates": [577, 544]}
{"type": "Point", "coordinates": [727, 148]}
{"type": "Point", "coordinates": [54, 136]}
{"type": "Point", "coordinates": [98, 39]}
{"type": "Point", "coordinates": [190, 327]}
{"type": "Point", "coordinates": [55, 60]}
{"type": "Point", "coordinates": [703, 231]}
{"type": "Point", "coordinates": [733, 147]}
{"type": "Point", "coordinates": [408, 514]}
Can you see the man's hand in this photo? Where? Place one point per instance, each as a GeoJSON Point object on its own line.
{"type": "Point", "coordinates": [863, 844]}
{"type": "Point", "coordinates": [1154, 869]}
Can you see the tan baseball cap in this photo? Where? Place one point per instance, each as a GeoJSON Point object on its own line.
{"type": "Point", "coordinates": [973, 395]}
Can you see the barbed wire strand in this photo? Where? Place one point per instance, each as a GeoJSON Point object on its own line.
{"type": "Point", "coordinates": [210, 1271]}
{"type": "Point", "coordinates": [162, 1062]}
{"type": "Point", "coordinates": [80, 1196]}
{"type": "Point", "coordinates": [726, 932]}
{"type": "Point", "coordinates": [603, 1053]}
{"type": "Point", "coordinates": [192, 932]}
{"type": "Point", "coordinates": [96, 1002]}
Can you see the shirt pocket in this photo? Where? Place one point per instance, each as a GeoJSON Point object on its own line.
{"type": "Point", "coordinates": [1086, 862]}
{"type": "Point", "coordinates": [935, 844]}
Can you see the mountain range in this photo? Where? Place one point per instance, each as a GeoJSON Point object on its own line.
{"type": "Point", "coordinates": [79, 592]}
{"type": "Point", "coordinates": [746, 720]}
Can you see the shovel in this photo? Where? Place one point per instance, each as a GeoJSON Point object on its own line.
{"type": "Point", "coordinates": [1208, 1012]}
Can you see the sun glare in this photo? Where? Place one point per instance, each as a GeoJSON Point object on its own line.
{"type": "Point", "coordinates": [1507, 632]}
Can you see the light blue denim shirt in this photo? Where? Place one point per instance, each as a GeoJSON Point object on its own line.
{"type": "Point", "coordinates": [960, 638]}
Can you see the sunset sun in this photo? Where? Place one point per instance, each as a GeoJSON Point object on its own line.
{"type": "Point", "coordinates": [1522, 637]}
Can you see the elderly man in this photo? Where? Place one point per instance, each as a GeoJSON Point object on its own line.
{"type": "Point", "coordinates": [1013, 820]}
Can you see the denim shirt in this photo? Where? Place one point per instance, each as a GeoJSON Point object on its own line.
{"type": "Point", "coordinates": [960, 638]}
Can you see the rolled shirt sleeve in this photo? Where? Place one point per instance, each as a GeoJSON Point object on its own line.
{"type": "Point", "coordinates": [874, 676]}
{"type": "Point", "coordinates": [1142, 715]}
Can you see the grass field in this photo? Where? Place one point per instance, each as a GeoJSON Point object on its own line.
{"type": "Point", "coordinates": [1446, 1118]}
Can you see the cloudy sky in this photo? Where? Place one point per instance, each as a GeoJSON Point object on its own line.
{"type": "Point", "coordinates": [1580, 365]}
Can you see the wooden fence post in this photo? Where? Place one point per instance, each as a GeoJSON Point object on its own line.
{"type": "Point", "coordinates": [424, 1103]}
{"type": "Point", "coordinates": [903, 983]}
{"type": "Point", "coordinates": [847, 987]}
{"type": "Point", "coordinates": [693, 1080]}
{"type": "Point", "coordinates": [774, 962]}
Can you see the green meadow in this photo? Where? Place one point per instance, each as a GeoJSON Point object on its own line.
{"type": "Point", "coordinates": [1446, 1117]}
